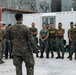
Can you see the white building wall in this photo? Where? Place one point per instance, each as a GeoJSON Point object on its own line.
{"type": "Point", "coordinates": [36, 18]}
{"type": "Point", "coordinates": [64, 17]}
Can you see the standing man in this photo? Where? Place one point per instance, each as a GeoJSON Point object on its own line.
{"type": "Point", "coordinates": [34, 32]}
{"type": "Point", "coordinates": [1, 39]}
{"type": "Point", "coordinates": [8, 45]}
{"type": "Point", "coordinates": [72, 37]}
{"type": "Point", "coordinates": [4, 27]}
{"type": "Point", "coordinates": [71, 27]}
{"type": "Point", "coordinates": [44, 34]}
{"type": "Point", "coordinates": [4, 40]}
{"type": "Point", "coordinates": [59, 41]}
{"type": "Point", "coordinates": [52, 39]}
{"type": "Point", "coordinates": [20, 36]}
{"type": "Point", "coordinates": [47, 26]}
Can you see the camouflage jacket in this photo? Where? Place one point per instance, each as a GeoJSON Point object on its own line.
{"type": "Point", "coordinates": [1, 34]}
{"type": "Point", "coordinates": [20, 36]}
{"type": "Point", "coordinates": [73, 33]}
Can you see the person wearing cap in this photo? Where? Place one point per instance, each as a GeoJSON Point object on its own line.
{"type": "Point", "coordinates": [1, 38]}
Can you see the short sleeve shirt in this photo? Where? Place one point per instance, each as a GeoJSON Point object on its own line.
{"type": "Point", "coordinates": [44, 33]}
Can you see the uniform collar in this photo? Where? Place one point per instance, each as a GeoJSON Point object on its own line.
{"type": "Point", "coordinates": [59, 28]}
{"type": "Point", "coordinates": [19, 22]}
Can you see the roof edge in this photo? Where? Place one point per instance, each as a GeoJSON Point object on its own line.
{"type": "Point", "coordinates": [17, 10]}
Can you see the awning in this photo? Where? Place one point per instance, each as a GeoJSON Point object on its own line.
{"type": "Point", "coordinates": [46, 15]}
{"type": "Point", "coordinates": [18, 10]}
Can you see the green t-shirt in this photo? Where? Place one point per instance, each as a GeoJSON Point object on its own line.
{"type": "Point", "coordinates": [33, 30]}
{"type": "Point", "coordinates": [73, 33]}
{"type": "Point", "coordinates": [60, 31]}
{"type": "Point", "coordinates": [52, 33]}
{"type": "Point", "coordinates": [44, 33]}
{"type": "Point", "coordinates": [69, 30]}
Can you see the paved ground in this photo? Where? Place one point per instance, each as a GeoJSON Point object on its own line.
{"type": "Point", "coordinates": [43, 67]}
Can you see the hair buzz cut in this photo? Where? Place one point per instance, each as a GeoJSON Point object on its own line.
{"type": "Point", "coordinates": [18, 16]}
{"type": "Point", "coordinates": [60, 23]}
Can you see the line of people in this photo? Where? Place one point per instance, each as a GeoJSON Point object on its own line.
{"type": "Point", "coordinates": [52, 39]}
{"type": "Point", "coordinates": [5, 44]}
{"type": "Point", "coordinates": [21, 38]}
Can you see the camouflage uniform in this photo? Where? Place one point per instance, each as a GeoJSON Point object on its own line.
{"type": "Point", "coordinates": [1, 38]}
{"type": "Point", "coordinates": [8, 46]}
{"type": "Point", "coordinates": [20, 36]}
{"type": "Point", "coordinates": [3, 43]}
{"type": "Point", "coordinates": [69, 41]}
{"type": "Point", "coordinates": [52, 40]}
{"type": "Point", "coordinates": [60, 43]}
{"type": "Point", "coordinates": [33, 30]}
{"type": "Point", "coordinates": [8, 49]}
{"type": "Point", "coordinates": [1, 50]}
{"type": "Point", "coordinates": [44, 45]}
{"type": "Point", "coordinates": [73, 43]}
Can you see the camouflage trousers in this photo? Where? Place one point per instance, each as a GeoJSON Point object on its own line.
{"type": "Point", "coordinates": [1, 50]}
{"type": "Point", "coordinates": [3, 46]}
{"type": "Point", "coordinates": [73, 48]}
{"type": "Point", "coordinates": [9, 47]}
{"type": "Point", "coordinates": [29, 60]}
{"type": "Point", "coordinates": [52, 45]}
{"type": "Point", "coordinates": [44, 46]}
{"type": "Point", "coordinates": [69, 47]}
{"type": "Point", "coordinates": [60, 46]}
{"type": "Point", "coordinates": [36, 40]}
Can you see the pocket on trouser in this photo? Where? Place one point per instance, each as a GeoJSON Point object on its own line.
{"type": "Point", "coordinates": [62, 41]}
{"type": "Point", "coordinates": [46, 44]}
{"type": "Point", "coordinates": [29, 59]}
{"type": "Point", "coordinates": [57, 42]}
